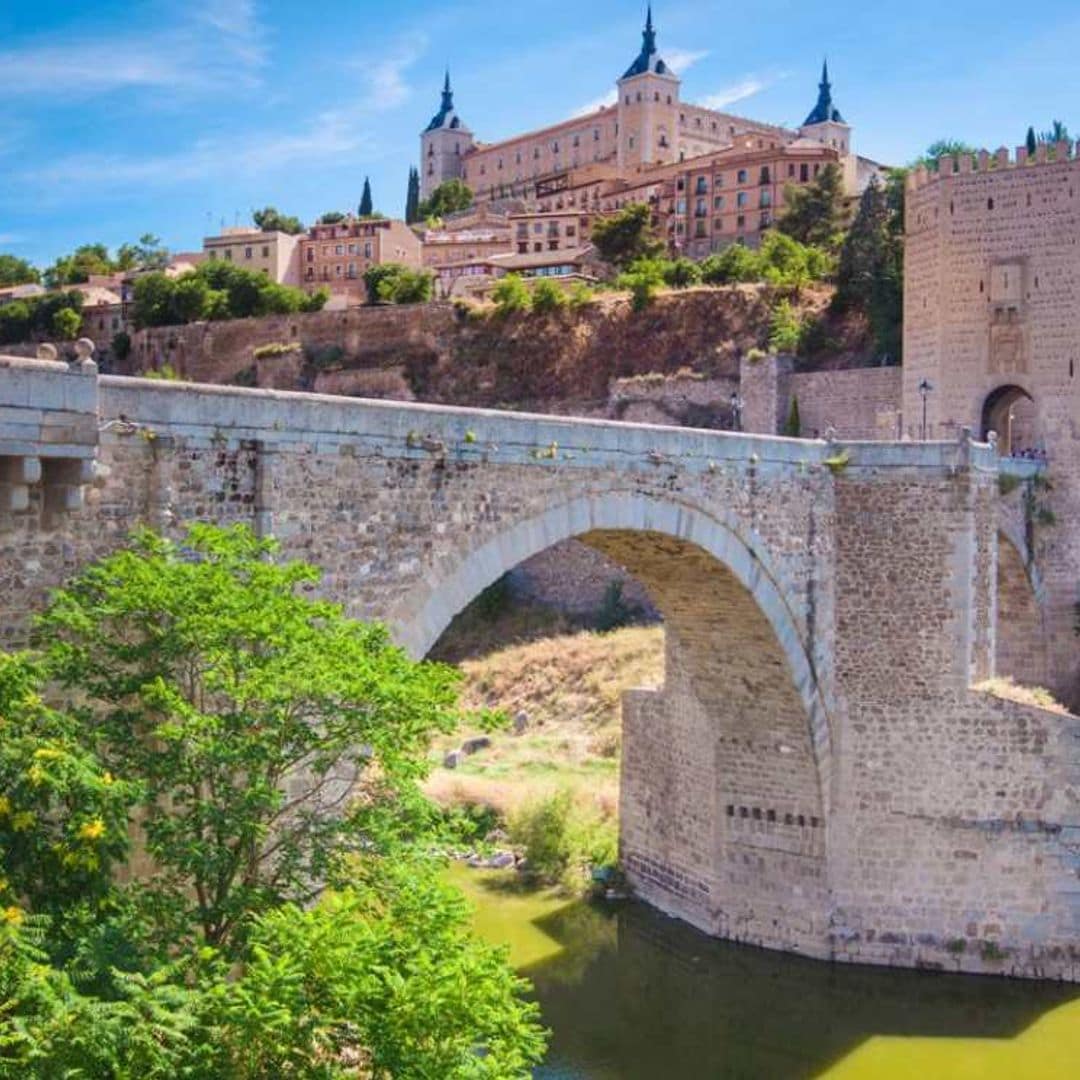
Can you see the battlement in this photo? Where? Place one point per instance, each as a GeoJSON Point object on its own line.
{"type": "Point", "coordinates": [952, 165]}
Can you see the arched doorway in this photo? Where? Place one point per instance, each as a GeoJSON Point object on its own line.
{"type": "Point", "coordinates": [1010, 411]}
{"type": "Point", "coordinates": [725, 769]}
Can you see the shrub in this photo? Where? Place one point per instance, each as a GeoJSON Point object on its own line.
{"type": "Point", "coordinates": [682, 273]}
{"type": "Point", "coordinates": [642, 280]}
{"type": "Point", "coordinates": [580, 296]}
{"type": "Point", "coordinates": [165, 373]}
{"type": "Point", "coordinates": [614, 610]}
{"type": "Point", "coordinates": [542, 829]}
{"type": "Point", "coordinates": [734, 264]}
{"type": "Point", "coordinates": [511, 294]}
{"type": "Point", "coordinates": [121, 346]}
{"type": "Point", "coordinates": [66, 323]}
{"type": "Point", "coordinates": [785, 329]}
{"type": "Point", "coordinates": [547, 297]}
{"type": "Point", "coordinates": [322, 357]}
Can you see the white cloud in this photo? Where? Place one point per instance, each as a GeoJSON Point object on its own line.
{"type": "Point", "coordinates": [681, 60]}
{"type": "Point", "coordinates": [386, 85]}
{"type": "Point", "coordinates": [739, 91]}
{"type": "Point", "coordinates": [332, 134]}
{"type": "Point", "coordinates": [213, 43]}
{"type": "Point", "coordinates": [609, 99]}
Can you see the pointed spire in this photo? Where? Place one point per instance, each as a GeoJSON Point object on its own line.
{"type": "Point", "coordinates": [447, 93]}
{"type": "Point", "coordinates": [647, 60]}
{"type": "Point", "coordinates": [649, 34]}
{"type": "Point", "coordinates": [824, 111]}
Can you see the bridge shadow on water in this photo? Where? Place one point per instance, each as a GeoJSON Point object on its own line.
{"type": "Point", "coordinates": [633, 994]}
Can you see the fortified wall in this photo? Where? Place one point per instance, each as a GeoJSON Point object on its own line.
{"type": "Point", "coordinates": [992, 341]}
{"type": "Point", "coordinates": [821, 771]}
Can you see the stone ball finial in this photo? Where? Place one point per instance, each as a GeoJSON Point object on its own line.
{"type": "Point", "coordinates": [992, 439]}
{"type": "Point", "coordinates": [45, 351]}
{"type": "Point", "coordinates": [84, 352]}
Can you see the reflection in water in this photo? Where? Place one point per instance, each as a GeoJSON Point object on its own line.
{"type": "Point", "coordinates": [633, 995]}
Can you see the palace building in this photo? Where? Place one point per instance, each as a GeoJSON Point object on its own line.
{"type": "Point", "coordinates": [645, 142]}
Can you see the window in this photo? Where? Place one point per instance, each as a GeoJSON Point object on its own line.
{"type": "Point", "coordinates": [740, 221]}
{"type": "Point", "coordinates": [766, 221]}
{"type": "Point", "coordinates": [523, 249]}
{"type": "Point", "coordinates": [367, 250]}
{"type": "Point", "coordinates": [571, 230]}
{"type": "Point", "coordinates": [741, 199]}
{"type": "Point", "coordinates": [247, 253]}
{"type": "Point", "coordinates": [702, 186]}
{"type": "Point", "coordinates": [537, 246]}
{"type": "Point", "coordinates": [743, 176]}
{"type": "Point", "coordinates": [228, 254]}
{"type": "Point", "coordinates": [553, 245]}
{"type": "Point", "coordinates": [699, 230]}
{"type": "Point", "coordinates": [701, 208]}
{"type": "Point", "coordinates": [766, 198]}
{"type": "Point", "coordinates": [337, 270]}
{"type": "Point", "coordinates": [339, 249]}
{"type": "Point", "coordinates": [791, 171]}
{"type": "Point", "coordinates": [577, 140]}
{"type": "Point", "coordinates": [718, 202]}
{"type": "Point", "coordinates": [765, 178]}
{"type": "Point", "coordinates": [804, 173]}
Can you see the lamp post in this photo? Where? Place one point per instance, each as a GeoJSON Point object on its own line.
{"type": "Point", "coordinates": [737, 404]}
{"type": "Point", "coordinates": [925, 388]}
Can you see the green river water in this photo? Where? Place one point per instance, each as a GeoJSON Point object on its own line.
{"type": "Point", "coordinates": [629, 994]}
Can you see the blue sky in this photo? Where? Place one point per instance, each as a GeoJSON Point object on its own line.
{"type": "Point", "coordinates": [171, 116]}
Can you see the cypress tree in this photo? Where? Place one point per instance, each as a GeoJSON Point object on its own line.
{"type": "Point", "coordinates": [1032, 143]}
{"type": "Point", "coordinates": [412, 199]}
{"type": "Point", "coordinates": [793, 427]}
{"type": "Point", "coordinates": [366, 205]}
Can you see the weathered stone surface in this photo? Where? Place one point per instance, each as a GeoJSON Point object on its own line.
{"type": "Point", "coordinates": [816, 759]}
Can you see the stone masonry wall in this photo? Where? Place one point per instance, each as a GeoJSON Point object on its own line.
{"type": "Point", "coordinates": [816, 773]}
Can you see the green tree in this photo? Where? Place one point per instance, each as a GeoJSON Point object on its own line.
{"type": "Point", "coordinates": [450, 197]}
{"type": "Point", "coordinates": [270, 219]}
{"type": "Point", "coordinates": [16, 271]}
{"type": "Point", "coordinates": [736, 263]}
{"type": "Point", "coordinates": [367, 207]}
{"type": "Point", "coordinates": [943, 148]}
{"type": "Point", "coordinates": [627, 236]}
{"type": "Point", "coordinates": [412, 197]}
{"type": "Point", "coordinates": [121, 346]}
{"type": "Point", "coordinates": [1057, 132]}
{"type": "Point", "coordinates": [1031, 142]}
{"type": "Point", "coordinates": [511, 294]}
{"type": "Point", "coordinates": [332, 217]}
{"type": "Point", "coordinates": [76, 268]}
{"type": "Point", "coordinates": [547, 297]}
{"type": "Point", "coordinates": [793, 425]}
{"type": "Point", "coordinates": [394, 283]}
{"type": "Point", "coordinates": [643, 278]}
{"type": "Point", "coordinates": [148, 254]}
{"type": "Point", "coordinates": [682, 273]}
{"type": "Point", "coordinates": [236, 703]}
{"type": "Point", "coordinates": [16, 320]}
{"type": "Point", "coordinates": [815, 213]}
{"type": "Point", "coordinates": [65, 324]}
{"type": "Point", "coordinates": [785, 328]}
{"type": "Point", "coordinates": [870, 275]}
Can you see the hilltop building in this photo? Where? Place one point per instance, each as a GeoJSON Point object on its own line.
{"type": "Point", "coordinates": [639, 148]}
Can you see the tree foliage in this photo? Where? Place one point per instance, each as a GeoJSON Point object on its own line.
{"type": "Point", "coordinates": [412, 197]}
{"type": "Point", "coordinates": [22, 320]}
{"type": "Point", "coordinates": [16, 271]}
{"type": "Point", "coordinates": [65, 324]}
{"type": "Point", "coordinates": [216, 290]}
{"type": "Point", "coordinates": [815, 213]}
{"type": "Point", "coordinates": [270, 219]}
{"type": "Point", "coordinates": [931, 158]}
{"type": "Point", "coordinates": [627, 236]}
{"type": "Point", "coordinates": [778, 260]}
{"type": "Point", "coordinates": [870, 275]}
{"type": "Point", "coordinates": [267, 746]}
{"type": "Point", "coordinates": [450, 197]}
{"type": "Point", "coordinates": [94, 259]}
{"type": "Point", "coordinates": [394, 283]}
{"type": "Point", "coordinates": [367, 206]}
{"type": "Point", "coordinates": [332, 217]}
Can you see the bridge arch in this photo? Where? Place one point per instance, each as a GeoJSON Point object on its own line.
{"type": "Point", "coordinates": [727, 607]}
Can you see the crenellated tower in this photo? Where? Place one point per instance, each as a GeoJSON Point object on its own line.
{"type": "Point", "coordinates": [442, 144]}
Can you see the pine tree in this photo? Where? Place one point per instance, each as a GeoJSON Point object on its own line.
{"type": "Point", "coordinates": [815, 212]}
{"type": "Point", "coordinates": [412, 198]}
{"type": "Point", "coordinates": [870, 275]}
{"type": "Point", "coordinates": [1032, 142]}
{"type": "Point", "coordinates": [366, 206]}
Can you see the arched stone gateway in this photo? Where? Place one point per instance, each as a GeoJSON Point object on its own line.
{"type": "Point", "coordinates": [725, 769]}
{"type": "Point", "coordinates": [1009, 411]}
{"type": "Point", "coordinates": [817, 772]}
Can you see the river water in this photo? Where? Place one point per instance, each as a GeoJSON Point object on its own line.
{"type": "Point", "coordinates": [630, 995]}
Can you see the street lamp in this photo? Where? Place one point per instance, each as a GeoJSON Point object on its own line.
{"type": "Point", "coordinates": [925, 388]}
{"type": "Point", "coordinates": [737, 404]}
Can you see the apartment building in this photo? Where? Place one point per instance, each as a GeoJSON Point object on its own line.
{"type": "Point", "coordinates": [335, 256]}
{"type": "Point", "coordinates": [275, 254]}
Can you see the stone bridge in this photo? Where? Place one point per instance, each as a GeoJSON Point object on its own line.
{"type": "Point", "coordinates": [819, 771]}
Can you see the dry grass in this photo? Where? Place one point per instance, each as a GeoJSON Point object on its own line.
{"type": "Point", "coordinates": [570, 687]}
{"type": "Point", "coordinates": [1008, 690]}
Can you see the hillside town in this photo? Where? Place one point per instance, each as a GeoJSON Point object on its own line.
{"type": "Point", "coordinates": [618, 619]}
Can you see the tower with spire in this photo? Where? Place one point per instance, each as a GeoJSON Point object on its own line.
{"type": "Point", "coordinates": [442, 144]}
{"type": "Point", "coordinates": [824, 124]}
{"type": "Point", "coordinates": [648, 106]}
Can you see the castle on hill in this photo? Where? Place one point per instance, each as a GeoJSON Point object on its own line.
{"type": "Point", "coordinates": [648, 136]}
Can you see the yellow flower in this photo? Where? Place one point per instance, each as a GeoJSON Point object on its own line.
{"type": "Point", "coordinates": [13, 915]}
{"type": "Point", "coordinates": [92, 830]}
{"type": "Point", "coordinates": [35, 774]}
{"type": "Point", "coordinates": [5, 806]}
{"type": "Point", "coordinates": [22, 821]}
{"type": "Point", "coordinates": [107, 778]}
{"type": "Point", "coordinates": [47, 753]}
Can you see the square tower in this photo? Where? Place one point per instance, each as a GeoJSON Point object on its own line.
{"type": "Point", "coordinates": [648, 108]}
{"type": "Point", "coordinates": [443, 144]}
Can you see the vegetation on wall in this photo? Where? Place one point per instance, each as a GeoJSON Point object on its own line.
{"type": "Point", "coordinates": [21, 320]}
{"type": "Point", "coordinates": [450, 197]}
{"type": "Point", "coordinates": [263, 928]}
{"type": "Point", "coordinates": [626, 237]}
{"type": "Point", "coordinates": [394, 283]}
